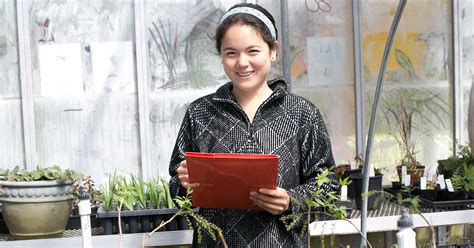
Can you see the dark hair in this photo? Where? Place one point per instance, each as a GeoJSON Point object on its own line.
{"type": "Point", "coordinates": [250, 20]}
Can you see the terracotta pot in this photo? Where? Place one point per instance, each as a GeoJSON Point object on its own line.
{"type": "Point", "coordinates": [415, 174]}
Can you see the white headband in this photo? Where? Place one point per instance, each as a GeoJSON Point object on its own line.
{"type": "Point", "coordinates": [251, 11]}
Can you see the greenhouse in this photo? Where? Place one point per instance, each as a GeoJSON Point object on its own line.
{"type": "Point", "coordinates": [226, 123]}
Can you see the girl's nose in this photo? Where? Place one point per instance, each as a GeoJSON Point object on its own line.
{"type": "Point", "coordinates": [243, 61]}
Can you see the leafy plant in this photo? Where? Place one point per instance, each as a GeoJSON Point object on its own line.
{"type": "Point", "coordinates": [166, 189]}
{"type": "Point", "coordinates": [319, 203]}
{"type": "Point", "coordinates": [154, 194]}
{"type": "Point", "coordinates": [202, 224]}
{"type": "Point", "coordinates": [125, 194]}
{"type": "Point", "coordinates": [52, 173]}
{"type": "Point", "coordinates": [407, 109]}
{"type": "Point", "coordinates": [140, 190]}
{"type": "Point", "coordinates": [41, 174]}
{"type": "Point", "coordinates": [346, 181]}
{"type": "Point", "coordinates": [405, 198]}
{"type": "Point", "coordinates": [107, 192]}
{"type": "Point", "coordinates": [454, 165]}
{"type": "Point", "coordinates": [464, 180]}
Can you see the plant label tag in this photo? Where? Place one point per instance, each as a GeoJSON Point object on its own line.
{"type": "Point", "coordinates": [352, 164]}
{"type": "Point", "coordinates": [403, 176]}
{"type": "Point", "coordinates": [343, 193]}
{"type": "Point", "coordinates": [404, 171]}
{"type": "Point", "coordinates": [407, 180]}
{"type": "Point", "coordinates": [449, 185]}
{"type": "Point", "coordinates": [441, 182]}
{"type": "Point", "coordinates": [423, 183]}
{"type": "Point", "coordinates": [371, 171]}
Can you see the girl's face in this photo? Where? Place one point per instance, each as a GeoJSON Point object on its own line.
{"type": "Point", "coordinates": [246, 58]}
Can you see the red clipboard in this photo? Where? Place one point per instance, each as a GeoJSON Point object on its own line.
{"type": "Point", "coordinates": [226, 179]}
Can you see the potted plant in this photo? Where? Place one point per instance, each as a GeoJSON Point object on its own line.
{"type": "Point", "coordinates": [347, 172]}
{"type": "Point", "coordinates": [37, 203]}
{"type": "Point", "coordinates": [375, 191]}
{"type": "Point", "coordinates": [406, 110]}
{"type": "Point", "coordinates": [133, 202]}
{"type": "Point", "coordinates": [463, 183]}
{"type": "Point", "coordinates": [460, 169]}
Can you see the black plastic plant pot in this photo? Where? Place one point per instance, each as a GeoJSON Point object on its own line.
{"type": "Point", "coordinates": [183, 223]}
{"type": "Point", "coordinates": [442, 195]}
{"type": "Point", "coordinates": [146, 223]}
{"type": "Point", "coordinates": [173, 225]}
{"type": "Point", "coordinates": [396, 185]}
{"type": "Point", "coordinates": [375, 191]}
{"type": "Point", "coordinates": [348, 173]}
{"type": "Point", "coordinates": [346, 204]}
{"type": "Point", "coordinates": [428, 194]}
{"type": "Point", "coordinates": [134, 221]}
{"type": "Point", "coordinates": [458, 195]}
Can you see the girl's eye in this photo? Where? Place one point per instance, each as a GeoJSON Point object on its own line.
{"type": "Point", "coordinates": [230, 54]}
{"type": "Point", "coordinates": [254, 51]}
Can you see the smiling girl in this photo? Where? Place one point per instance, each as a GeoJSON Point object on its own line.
{"type": "Point", "coordinates": [254, 115]}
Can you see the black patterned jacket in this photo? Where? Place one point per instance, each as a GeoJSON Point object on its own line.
{"type": "Point", "coordinates": [286, 125]}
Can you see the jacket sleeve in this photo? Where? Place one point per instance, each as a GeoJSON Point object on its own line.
{"type": "Point", "coordinates": [316, 154]}
{"type": "Point", "coordinates": [184, 143]}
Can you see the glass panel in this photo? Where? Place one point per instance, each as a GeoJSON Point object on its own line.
{"type": "Point", "coordinates": [85, 101]}
{"type": "Point", "coordinates": [416, 99]}
{"type": "Point", "coordinates": [322, 66]}
{"type": "Point", "coordinates": [183, 65]}
{"type": "Point", "coordinates": [11, 126]}
{"type": "Point", "coordinates": [467, 40]}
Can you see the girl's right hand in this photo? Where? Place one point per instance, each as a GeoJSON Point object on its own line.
{"type": "Point", "coordinates": [183, 176]}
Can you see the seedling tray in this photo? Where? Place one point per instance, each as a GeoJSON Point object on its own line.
{"type": "Point", "coordinates": [141, 220]}
{"type": "Point", "coordinates": [428, 205]}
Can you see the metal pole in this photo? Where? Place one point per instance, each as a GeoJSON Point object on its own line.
{"type": "Point", "coordinates": [378, 91]}
{"type": "Point", "coordinates": [285, 42]}
{"type": "Point", "coordinates": [358, 77]}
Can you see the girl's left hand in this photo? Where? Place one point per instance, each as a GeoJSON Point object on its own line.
{"type": "Point", "coordinates": [275, 201]}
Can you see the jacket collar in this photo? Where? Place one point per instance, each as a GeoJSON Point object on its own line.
{"type": "Point", "coordinates": [278, 85]}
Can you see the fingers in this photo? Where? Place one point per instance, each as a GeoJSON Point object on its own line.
{"type": "Point", "coordinates": [274, 201]}
{"type": "Point", "coordinates": [183, 176]}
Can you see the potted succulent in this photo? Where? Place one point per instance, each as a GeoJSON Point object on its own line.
{"type": "Point", "coordinates": [37, 203]}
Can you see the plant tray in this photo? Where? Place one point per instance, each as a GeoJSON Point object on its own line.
{"type": "Point", "coordinates": [141, 220]}
{"type": "Point", "coordinates": [428, 205]}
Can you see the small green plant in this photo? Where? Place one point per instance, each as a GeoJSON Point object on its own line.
{"type": "Point", "coordinates": [346, 181]}
{"type": "Point", "coordinates": [405, 198]}
{"type": "Point", "coordinates": [319, 203]}
{"type": "Point", "coordinates": [465, 180]}
{"type": "Point", "coordinates": [125, 195]}
{"type": "Point", "coordinates": [107, 192]}
{"type": "Point", "coordinates": [41, 174]}
{"type": "Point", "coordinates": [140, 190]}
{"type": "Point", "coordinates": [455, 165]}
{"type": "Point", "coordinates": [167, 194]}
{"type": "Point", "coordinates": [154, 194]}
{"type": "Point", "coordinates": [202, 224]}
